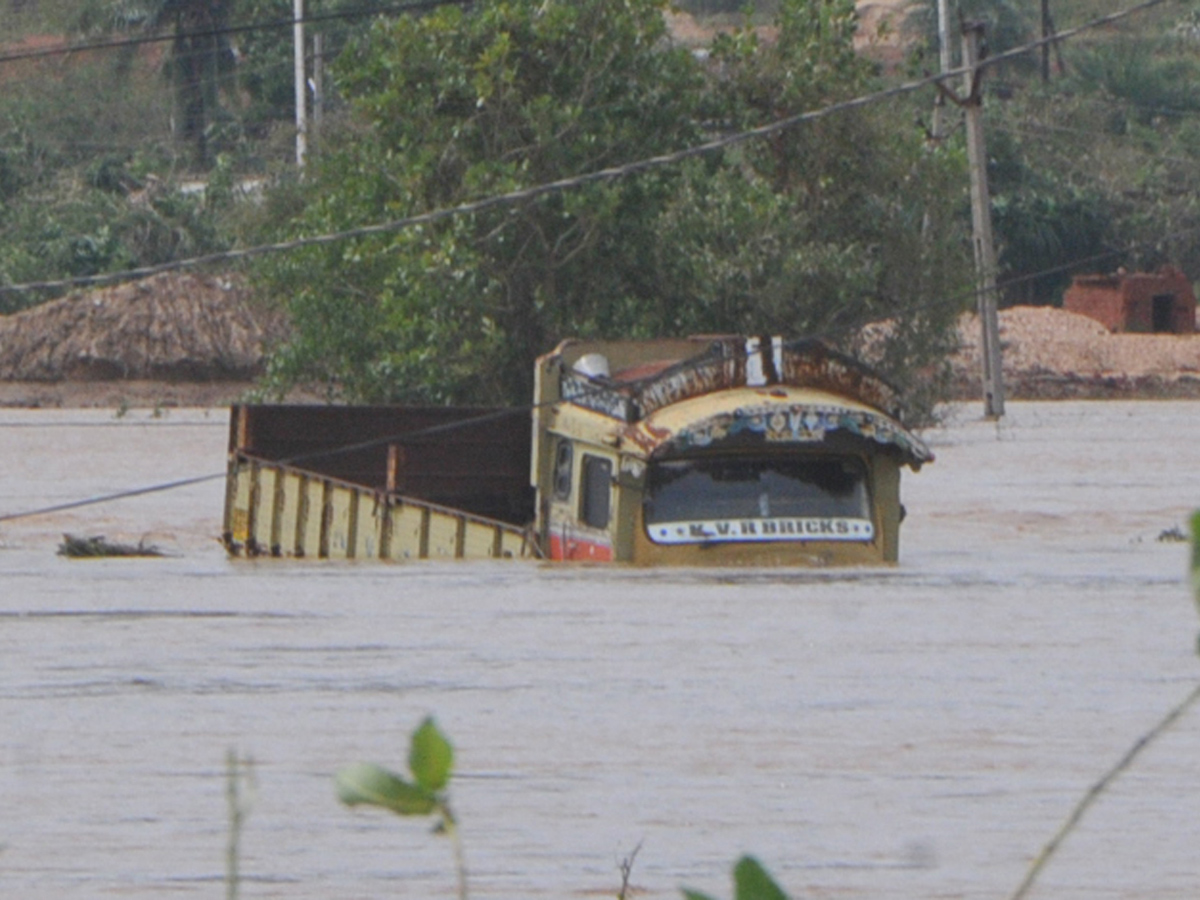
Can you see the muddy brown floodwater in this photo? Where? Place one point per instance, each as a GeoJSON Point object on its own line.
{"type": "Point", "coordinates": [917, 732]}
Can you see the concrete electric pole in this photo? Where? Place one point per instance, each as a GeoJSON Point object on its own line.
{"type": "Point", "coordinates": [981, 219]}
{"type": "Point", "coordinates": [945, 63]}
{"type": "Point", "coordinates": [301, 83]}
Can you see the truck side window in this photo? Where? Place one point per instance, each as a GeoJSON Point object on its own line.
{"type": "Point", "coordinates": [563, 456]}
{"type": "Point", "coordinates": [596, 494]}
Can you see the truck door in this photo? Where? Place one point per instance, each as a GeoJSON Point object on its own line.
{"type": "Point", "coordinates": [581, 509]}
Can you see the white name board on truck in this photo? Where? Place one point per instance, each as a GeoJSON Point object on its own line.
{"type": "Point", "coordinates": [779, 528]}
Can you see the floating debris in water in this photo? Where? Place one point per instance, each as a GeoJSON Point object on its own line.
{"type": "Point", "coordinates": [75, 547]}
{"type": "Point", "coordinates": [1173, 535]}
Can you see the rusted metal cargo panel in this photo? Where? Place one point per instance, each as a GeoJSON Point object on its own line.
{"type": "Point", "coordinates": [378, 483]}
{"type": "Point", "coordinates": [471, 459]}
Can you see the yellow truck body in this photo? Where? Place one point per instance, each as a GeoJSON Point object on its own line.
{"type": "Point", "coordinates": [698, 451]}
{"type": "Point", "coordinates": [328, 482]}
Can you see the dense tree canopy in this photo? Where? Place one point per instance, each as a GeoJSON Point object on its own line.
{"type": "Point", "coordinates": [815, 229]}
{"type": "Point", "coordinates": [812, 229]}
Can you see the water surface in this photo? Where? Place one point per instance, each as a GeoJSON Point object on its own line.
{"type": "Point", "coordinates": [917, 732]}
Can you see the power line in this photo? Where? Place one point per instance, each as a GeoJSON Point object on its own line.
{"type": "Point", "coordinates": [532, 193]}
{"type": "Point", "coordinates": [357, 12]}
{"type": "Point", "coordinates": [507, 199]}
{"type": "Point", "coordinates": [569, 183]}
{"type": "Point", "coordinates": [832, 336]}
{"type": "Point", "coordinates": [108, 498]}
{"type": "Point", "coordinates": [1069, 33]}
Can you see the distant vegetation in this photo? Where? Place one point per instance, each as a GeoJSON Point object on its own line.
{"type": "Point", "coordinates": [152, 152]}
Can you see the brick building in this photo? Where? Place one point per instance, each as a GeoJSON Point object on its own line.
{"type": "Point", "coordinates": [1159, 302]}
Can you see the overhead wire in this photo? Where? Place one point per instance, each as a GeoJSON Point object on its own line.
{"type": "Point", "coordinates": [316, 18]}
{"type": "Point", "coordinates": [109, 498]}
{"type": "Point", "coordinates": [570, 182]}
{"type": "Point", "coordinates": [308, 456]}
{"type": "Point", "coordinates": [1095, 791]}
{"type": "Point", "coordinates": [562, 184]}
{"type": "Point", "coordinates": [700, 361]}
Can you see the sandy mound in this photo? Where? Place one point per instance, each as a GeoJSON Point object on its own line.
{"type": "Point", "coordinates": [172, 327]}
{"type": "Point", "coordinates": [1049, 353]}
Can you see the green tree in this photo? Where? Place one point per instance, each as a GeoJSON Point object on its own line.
{"type": "Point", "coordinates": [819, 228]}
{"type": "Point", "coordinates": [1048, 223]}
{"type": "Point", "coordinates": [824, 227]}
{"type": "Point", "coordinates": [455, 106]}
{"type": "Point", "coordinates": [72, 207]}
{"type": "Point", "coordinates": [1152, 79]}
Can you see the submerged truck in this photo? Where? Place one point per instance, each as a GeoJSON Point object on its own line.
{"type": "Point", "coordinates": [697, 451]}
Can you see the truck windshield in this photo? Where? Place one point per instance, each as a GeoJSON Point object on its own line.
{"type": "Point", "coordinates": [757, 499]}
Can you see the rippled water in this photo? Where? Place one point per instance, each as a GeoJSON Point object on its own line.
{"type": "Point", "coordinates": [919, 732]}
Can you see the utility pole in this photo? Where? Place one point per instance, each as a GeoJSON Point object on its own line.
{"type": "Point", "coordinates": [1046, 31]}
{"type": "Point", "coordinates": [981, 220]}
{"type": "Point", "coordinates": [301, 83]}
{"type": "Point", "coordinates": [318, 86]}
{"type": "Point", "coordinates": [945, 63]}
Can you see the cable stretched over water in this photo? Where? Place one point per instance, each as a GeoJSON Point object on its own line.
{"type": "Point", "coordinates": [1099, 788]}
{"type": "Point", "coordinates": [108, 498]}
{"type": "Point", "coordinates": [696, 363]}
{"type": "Point", "coordinates": [289, 461]}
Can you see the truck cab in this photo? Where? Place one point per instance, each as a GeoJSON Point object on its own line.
{"type": "Point", "coordinates": [717, 451]}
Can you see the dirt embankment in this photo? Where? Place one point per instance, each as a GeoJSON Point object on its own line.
{"type": "Point", "coordinates": [197, 340]}
{"type": "Point", "coordinates": [174, 339]}
{"type": "Point", "coordinates": [1052, 354]}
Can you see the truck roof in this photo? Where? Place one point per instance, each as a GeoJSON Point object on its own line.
{"type": "Point", "coordinates": [674, 396]}
{"type": "Point", "coordinates": [629, 380]}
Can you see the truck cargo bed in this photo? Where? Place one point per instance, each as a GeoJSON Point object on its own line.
{"type": "Point", "coordinates": [379, 482]}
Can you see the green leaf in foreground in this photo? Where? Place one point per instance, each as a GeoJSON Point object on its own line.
{"type": "Point", "coordinates": [1196, 564]}
{"type": "Point", "coordinates": [430, 757]}
{"type": "Point", "coordinates": [751, 882]}
{"type": "Point", "coordinates": [376, 786]}
{"type": "Point", "coordinates": [1196, 557]}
